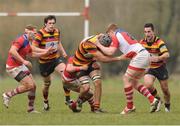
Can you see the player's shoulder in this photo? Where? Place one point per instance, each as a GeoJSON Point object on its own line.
{"type": "Point", "coordinates": [89, 45]}
{"type": "Point", "coordinates": [41, 32]}
{"type": "Point", "coordinates": [143, 40]}
{"type": "Point", "coordinates": [20, 38]}
{"type": "Point", "coordinates": [159, 41]}
{"type": "Point", "coordinates": [56, 30]}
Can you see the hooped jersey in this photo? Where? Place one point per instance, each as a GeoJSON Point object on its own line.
{"type": "Point", "coordinates": [126, 43]}
{"type": "Point", "coordinates": [156, 48]}
{"type": "Point", "coordinates": [44, 40]}
{"type": "Point", "coordinates": [87, 46]}
{"type": "Point", "coordinates": [24, 48]}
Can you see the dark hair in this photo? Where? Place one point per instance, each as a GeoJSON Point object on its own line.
{"type": "Point", "coordinates": [149, 25]}
{"type": "Point", "coordinates": [49, 17]}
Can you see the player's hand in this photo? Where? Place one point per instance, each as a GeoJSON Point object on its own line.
{"type": "Point", "coordinates": [154, 58]}
{"type": "Point", "coordinates": [28, 64]}
{"type": "Point", "coordinates": [88, 55]}
{"type": "Point", "coordinates": [51, 49]}
{"type": "Point", "coordinates": [65, 56]}
{"type": "Point", "coordinates": [85, 67]}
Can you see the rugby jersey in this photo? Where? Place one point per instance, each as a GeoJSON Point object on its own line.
{"type": "Point", "coordinates": [86, 46]}
{"type": "Point", "coordinates": [155, 48]}
{"type": "Point", "coordinates": [69, 77]}
{"type": "Point", "coordinates": [126, 43]}
{"type": "Point", "coordinates": [44, 40]}
{"type": "Point", "coordinates": [24, 49]}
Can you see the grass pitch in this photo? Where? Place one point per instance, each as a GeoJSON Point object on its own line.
{"type": "Point", "coordinates": [113, 101]}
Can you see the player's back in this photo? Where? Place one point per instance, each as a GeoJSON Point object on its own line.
{"type": "Point", "coordinates": [87, 46]}
{"type": "Point", "coordinates": [127, 42]}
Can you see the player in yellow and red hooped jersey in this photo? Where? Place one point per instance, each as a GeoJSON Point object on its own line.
{"type": "Point", "coordinates": [159, 54]}
{"type": "Point", "coordinates": [49, 36]}
{"type": "Point", "coordinates": [88, 54]}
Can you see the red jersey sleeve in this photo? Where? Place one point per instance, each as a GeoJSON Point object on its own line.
{"type": "Point", "coordinates": [18, 42]}
{"type": "Point", "coordinates": [70, 60]}
{"type": "Point", "coordinates": [115, 42]}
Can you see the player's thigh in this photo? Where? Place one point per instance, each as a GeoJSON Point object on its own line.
{"type": "Point", "coordinates": [60, 68]}
{"type": "Point", "coordinates": [149, 80]}
{"type": "Point", "coordinates": [27, 81]}
{"type": "Point", "coordinates": [134, 74]}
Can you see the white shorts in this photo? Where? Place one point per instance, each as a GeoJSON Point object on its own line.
{"type": "Point", "coordinates": [73, 85]}
{"type": "Point", "coordinates": [141, 61]}
{"type": "Point", "coordinates": [14, 72]}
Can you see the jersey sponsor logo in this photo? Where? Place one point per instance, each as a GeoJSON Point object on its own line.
{"type": "Point", "coordinates": [52, 44]}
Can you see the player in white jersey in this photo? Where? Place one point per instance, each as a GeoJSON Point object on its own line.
{"type": "Point", "coordinates": [139, 61]}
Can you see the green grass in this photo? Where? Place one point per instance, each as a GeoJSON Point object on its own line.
{"type": "Point", "coordinates": [113, 101]}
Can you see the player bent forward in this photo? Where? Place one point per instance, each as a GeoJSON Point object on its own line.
{"type": "Point", "coordinates": [70, 82]}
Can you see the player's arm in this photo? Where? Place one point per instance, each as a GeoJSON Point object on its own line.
{"type": "Point", "coordinates": [62, 51]}
{"type": "Point", "coordinates": [61, 48]}
{"type": "Point", "coordinates": [164, 53]}
{"type": "Point", "coordinates": [71, 68]}
{"type": "Point", "coordinates": [14, 52]}
{"type": "Point", "coordinates": [103, 58]}
{"type": "Point", "coordinates": [106, 50]}
{"type": "Point", "coordinates": [36, 42]}
{"type": "Point", "coordinates": [43, 52]}
{"type": "Point", "coordinates": [37, 49]}
{"type": "Point", "coordinates": [164, 56]}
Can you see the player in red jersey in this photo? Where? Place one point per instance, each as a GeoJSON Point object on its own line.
{"type": "Point", "coordinates": [139, 61]}
{"type": "Point", "coordinates": [19, 68]}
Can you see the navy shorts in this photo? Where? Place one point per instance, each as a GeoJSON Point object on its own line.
{"type": "Point", "coordinates": [47, 68]}
{"type": "Point", "coordinates": [160, 73]}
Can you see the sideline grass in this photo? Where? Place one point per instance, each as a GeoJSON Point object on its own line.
{"type": "Point", "coordinates": [113, 101]}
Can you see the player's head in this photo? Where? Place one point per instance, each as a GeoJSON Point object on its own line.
{"type": "Point", "coordinates": [111, 27]}
{"type": "Point", "coordinates": [49, 22]}
{"type": "Point", "coordinates": [149, 25]}
{"type": "Point", "coordinates": [149, 31]}
{"type": "Point", "coordinates": [30, 30]}
{"type": "Point", "coordinates": [105, 40]}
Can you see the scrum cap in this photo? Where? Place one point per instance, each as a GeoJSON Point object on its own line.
{"type": "Point", "coordinates": [105, 40]}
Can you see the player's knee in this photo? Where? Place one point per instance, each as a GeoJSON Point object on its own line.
{"type": "Point", "coordinates": [88, 95]}
{"type": "Point", "coordinates": [31, 86]}
{"type": "Point", "coordinates": [149, 85]}
{"type": "Point", "coordinates": [97, 83]}
{"type": "Point", "coordinates": [86, 88]}
{"type": "Point", "coordinates": [126, 78]}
